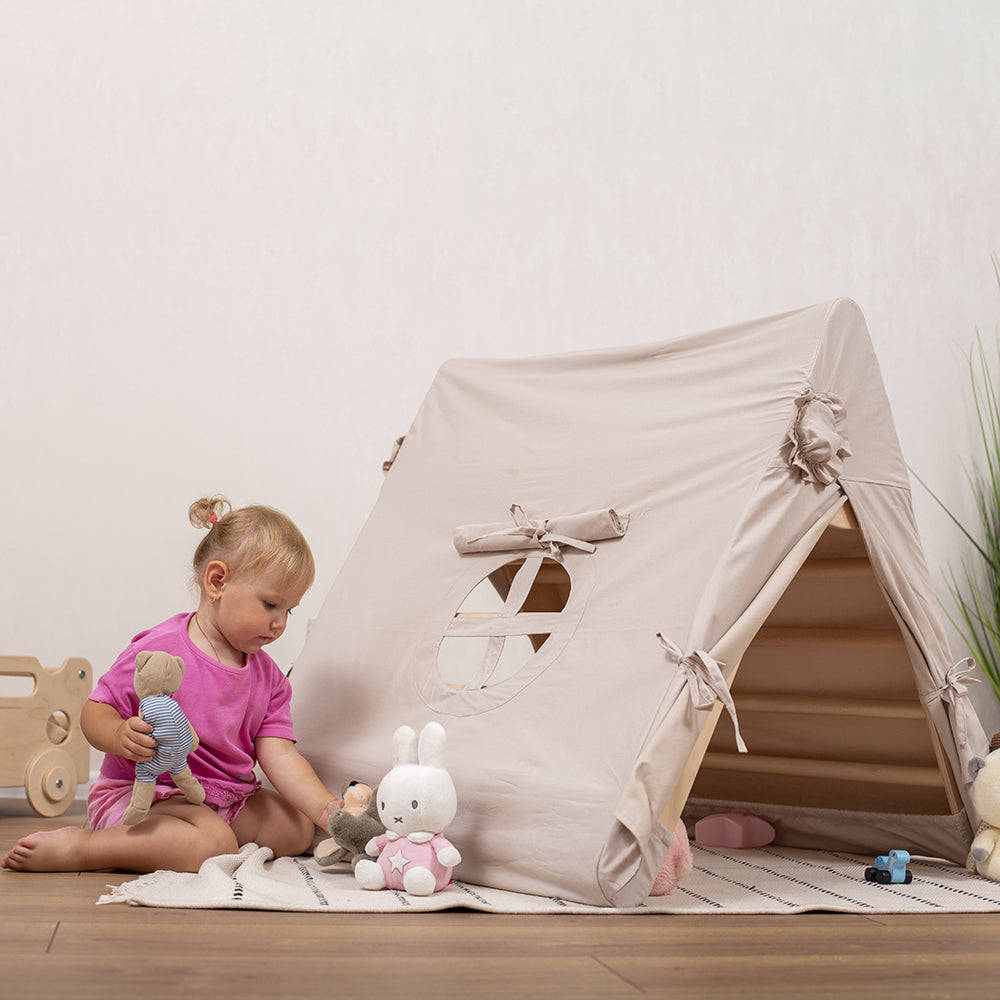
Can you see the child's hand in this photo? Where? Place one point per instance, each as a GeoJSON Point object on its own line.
{"type": "Point", "coordinates": [134, 743]}
{"type": "Point", "coordinates": [331, 808]}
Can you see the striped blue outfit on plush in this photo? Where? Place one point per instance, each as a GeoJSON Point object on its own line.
{"type": "Point", "coordinates": [172, 733]}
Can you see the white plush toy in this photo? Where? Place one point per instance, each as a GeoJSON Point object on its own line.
{"type": "Point", "coordinates": [416, 801]}
{"type": "Point", "coordinates": [984, 857]}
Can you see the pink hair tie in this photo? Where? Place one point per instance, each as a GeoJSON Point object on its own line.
{"type": "Point", "coordinates": [213, 517]}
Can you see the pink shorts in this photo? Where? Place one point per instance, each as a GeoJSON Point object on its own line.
{"type": "Point", "coordinates": [108, 799]}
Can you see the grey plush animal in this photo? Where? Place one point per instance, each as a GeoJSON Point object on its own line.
{"type": "Point", "coordinates": [352, 827]}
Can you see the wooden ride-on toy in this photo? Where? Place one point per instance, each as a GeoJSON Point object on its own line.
{"type": "Point", "coordinates": [41, 744]}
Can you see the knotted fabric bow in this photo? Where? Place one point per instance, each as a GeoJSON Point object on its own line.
{"type": "Point", "coordinates": [957, 677]}
{"type": "Point", "coordinates": [816, 444]}
{"type": "Point", "coordinates": [705, 682]}
{"type": "Point", "coordinates": [576, 531]}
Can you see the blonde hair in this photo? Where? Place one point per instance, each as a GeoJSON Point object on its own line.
{"type": "Point", "coordinates": [250, 540]}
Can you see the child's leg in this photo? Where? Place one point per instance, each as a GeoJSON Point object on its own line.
{"type": "Point", "coordinates": [269, 821]}
{"type": "Point", "coordinates": [176, 835]}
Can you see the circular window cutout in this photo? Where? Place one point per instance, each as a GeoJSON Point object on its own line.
{"type": "Point", "coordinates": [526, 591]}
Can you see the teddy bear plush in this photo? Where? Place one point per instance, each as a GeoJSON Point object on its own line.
{"type": "Point", "coordinates": [416, 801]}
{"type": "Point", "coordinates": [984, 856]}
{"type": "Point", "coordinates": [352, 827]}
{"type": "Point", "coordinates": [157, 676]}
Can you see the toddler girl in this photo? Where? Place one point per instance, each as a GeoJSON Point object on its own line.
{"type": "Point", "coordinates": [252, 569]}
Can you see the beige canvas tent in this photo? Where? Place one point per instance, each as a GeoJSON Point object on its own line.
{"type": "Point", "coordinates": [571, 556]}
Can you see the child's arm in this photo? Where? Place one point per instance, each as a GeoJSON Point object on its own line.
{"type": "Point", "coordinates": [294, 779]}
{"type": "Point", "coordinates": [107, 731]}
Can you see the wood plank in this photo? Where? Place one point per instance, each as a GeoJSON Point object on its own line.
{"type": "Point", "coordinates": [796, 704]}
{"type": "Point", "coordinates": [845, 637]}
{"type": "Point", "coordinates": [324, 973]}
{"type": "Point", "coordinates": [874, 973]}
{"type": "Point", "coordinates": [838, 770]}
{"type": "Point", "coordinates": [26, 937]}
{"type": "Point", "coordinates": [77, 949]}
{"type": "Point", "coordinates": [847, 568]}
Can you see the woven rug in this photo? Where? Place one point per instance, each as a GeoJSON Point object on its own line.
{"type": "Point", "coordinates": [769, 880]}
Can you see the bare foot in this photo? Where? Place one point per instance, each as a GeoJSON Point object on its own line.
{"type": "Point", "coordinates": [49, 851]}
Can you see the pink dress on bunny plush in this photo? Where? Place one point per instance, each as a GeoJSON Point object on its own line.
{"type": "Point", "coordinates": [397, 854]}
{"type": "Point", "coordinates": [416, 801]}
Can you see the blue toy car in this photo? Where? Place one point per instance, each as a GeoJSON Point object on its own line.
{"type": "Point", "coordinates": [890, 867]}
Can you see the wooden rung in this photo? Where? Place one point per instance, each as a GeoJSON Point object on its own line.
{"type": "Point", "coordinates": [866, 708]}
{"type": "Point", "coordinates": [799, 767]}
{"type": "Point", "coordinates": [855, 567]}
{"type": "Point", "coordinates": [870, 637]}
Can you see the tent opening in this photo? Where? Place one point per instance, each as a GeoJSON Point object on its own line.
{"type": "Point", "coordinates": [828, 703]}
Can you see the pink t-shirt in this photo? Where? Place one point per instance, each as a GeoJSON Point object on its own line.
{"type": "Point", "coordinates": [228, 708]}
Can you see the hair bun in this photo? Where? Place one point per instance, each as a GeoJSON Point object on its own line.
{"type": "Point", "coordinates": [205, 512]}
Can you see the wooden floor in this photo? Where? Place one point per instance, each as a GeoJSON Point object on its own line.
{"type": "Point", "coordinates": [55, 942]}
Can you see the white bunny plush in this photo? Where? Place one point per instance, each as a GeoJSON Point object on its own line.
{"type": "Point", "coordinates": [416, 801]}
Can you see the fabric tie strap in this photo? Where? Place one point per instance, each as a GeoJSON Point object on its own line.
{"type": "Point", "coordinates": [578, 531]}
{"type": "Point", "coordinates": [540, 535]}
{"type": "Point", "coordinates": [953, 692]}
{"type": "Point", "coordinates": [956, 679]}
{"type": "Point", "coordinates": [705, 682]}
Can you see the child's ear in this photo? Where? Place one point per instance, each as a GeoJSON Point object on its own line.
{"type": "Point", "coordinates": [216, 576]}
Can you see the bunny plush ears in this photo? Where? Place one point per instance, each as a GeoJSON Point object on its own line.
{"type": "Point", "coordinates": [416, 801]}
{"type": "Point", "coordinates": [428, 750]}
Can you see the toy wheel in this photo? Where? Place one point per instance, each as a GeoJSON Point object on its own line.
{"type": "Point", "coordinates": [908, 879]}
{"type": "Point", "coordinates": [870, 874]}
{"type": "Point", "coordinates": [885, 877]}
{"type": "Point", "coordinates": [50, 782]}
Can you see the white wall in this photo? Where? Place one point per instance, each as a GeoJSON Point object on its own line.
{"type": "Point", "coordinates": [237, 239]}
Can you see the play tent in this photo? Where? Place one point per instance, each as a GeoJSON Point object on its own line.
{"type": "Point", "coordinates": [571, 555]}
